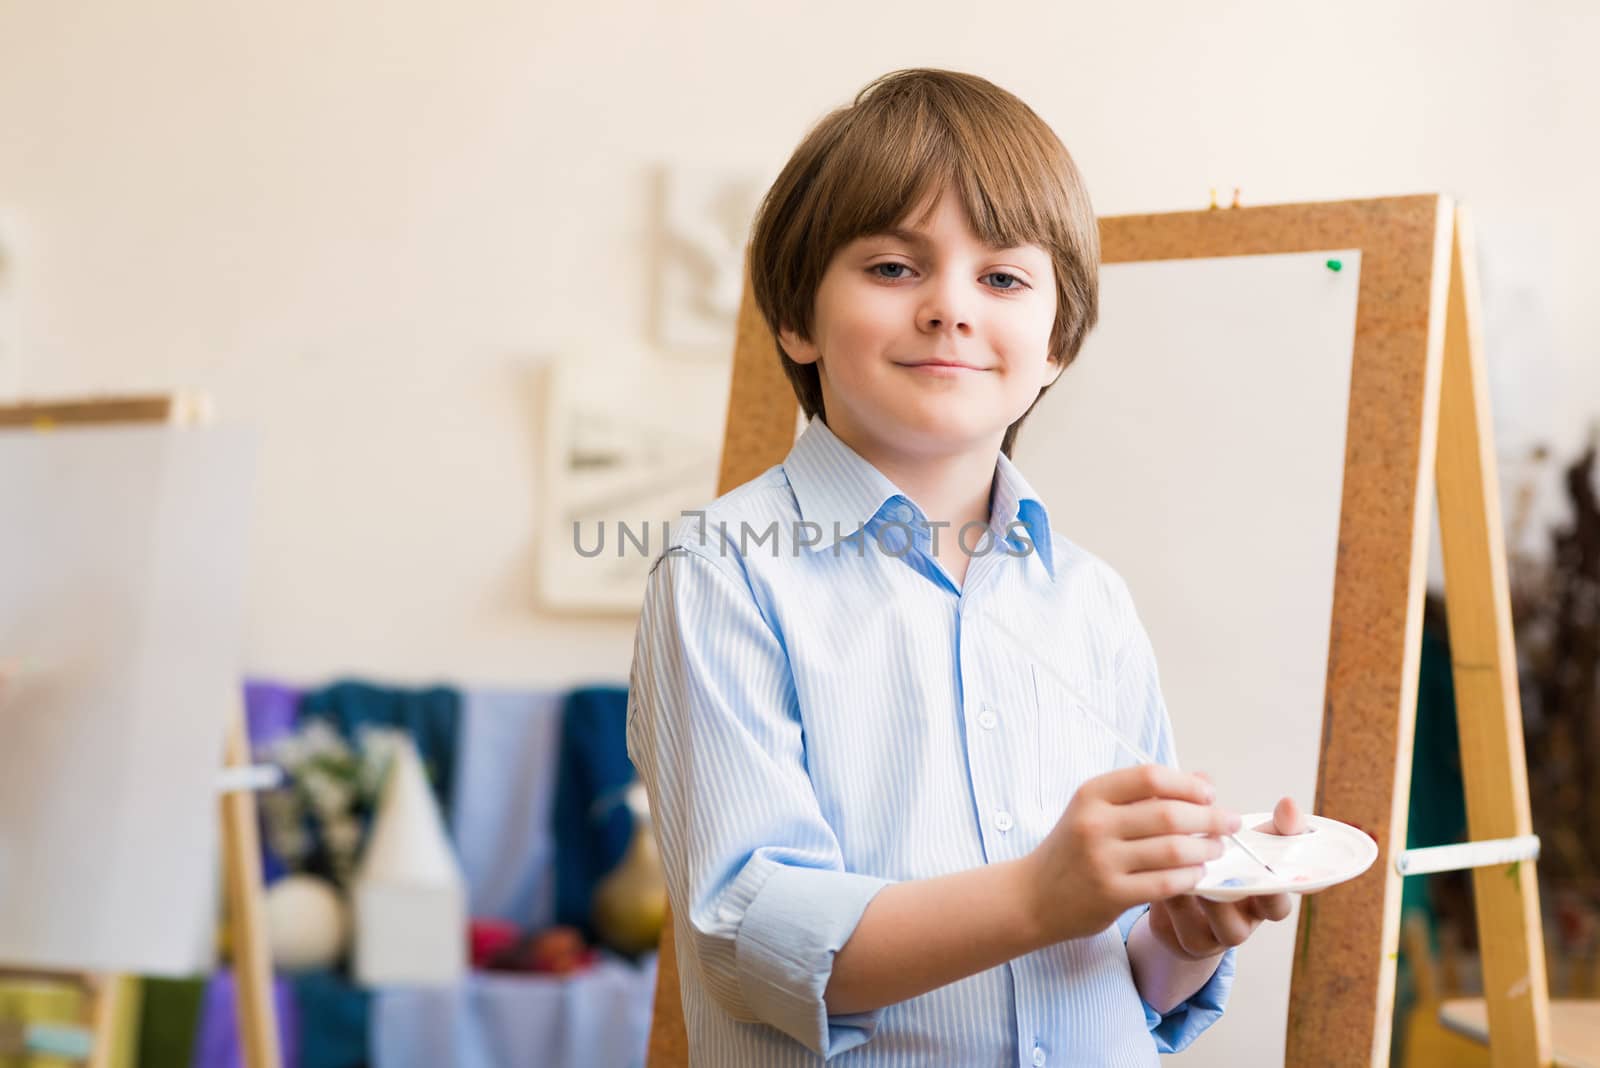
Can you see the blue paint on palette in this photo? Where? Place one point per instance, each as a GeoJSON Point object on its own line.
{"type": "Point", "coordinates": [1228, 884]}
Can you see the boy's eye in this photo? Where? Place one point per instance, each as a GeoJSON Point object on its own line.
{"type": "Point", "coordinates": [898, 270]}
{"type": "Point", "coordinates": [1011, 278]}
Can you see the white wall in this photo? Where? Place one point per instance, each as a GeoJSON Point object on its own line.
{"type": "Point", "coordinates": [362, 226]}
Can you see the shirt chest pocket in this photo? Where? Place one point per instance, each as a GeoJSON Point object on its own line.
{"type": "Point", "coordinates": [1072, 744]}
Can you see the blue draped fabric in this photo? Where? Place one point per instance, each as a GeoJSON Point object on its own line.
{"type": "Point", "coordinates": [432, 718]}
{"type": "Point", "coordinates": [597, 1017]}
{"type": "Point", "coordinates": [592, 826]}
{"type": "Point", "coordinates": [505, 790]}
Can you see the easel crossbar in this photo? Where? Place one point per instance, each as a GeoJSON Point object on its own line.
{"type": "Point", "coordinates": [1463, 855]}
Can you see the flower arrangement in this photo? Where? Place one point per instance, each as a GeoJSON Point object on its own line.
{"type": "Point", "coordinates": [317, 821]}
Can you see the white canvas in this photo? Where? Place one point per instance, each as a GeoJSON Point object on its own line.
{"type": "Point", "coordinates": [1197, 445]}
{"type": "Point", "coordinates": [122, 560]}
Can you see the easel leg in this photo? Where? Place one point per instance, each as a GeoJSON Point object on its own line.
{"type": "Point", "coordinates": [1488, 707]}
{"type": "Point", "coordinates": [102, 992]}
{"type": "Point", "coordinates": [669, 1035]}
{"type": "Point", "coordinates": [252, 963]}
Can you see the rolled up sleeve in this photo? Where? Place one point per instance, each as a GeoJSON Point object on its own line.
{"type": "Point", "coordinates": [785, 948]}
{"type": "Point", "coordinates": [1175, 1030]}
{"type": "Point", "coordinates": [754, 872]}
{"type": "Point", "coordinates": [1179, 1027]}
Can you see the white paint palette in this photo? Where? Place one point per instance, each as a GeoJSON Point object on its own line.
{"type": "Point", "coordinates": [1327, 854]}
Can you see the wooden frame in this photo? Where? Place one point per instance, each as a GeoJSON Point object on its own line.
{"type": "Point", "coordinates": [1417, 402]}
{"type": "Point", "coordinates": [241, 845]}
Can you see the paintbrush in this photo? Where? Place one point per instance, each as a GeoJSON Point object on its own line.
{"type": "Point", "coordinates": [1133, 750]}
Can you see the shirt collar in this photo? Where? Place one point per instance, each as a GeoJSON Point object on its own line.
{"type": "Point", "coordinates": [834, 486]}
{"type": "Point", "coordinates": [1016, 502]}
{"type": "Point", "coordinates": [839, 491]}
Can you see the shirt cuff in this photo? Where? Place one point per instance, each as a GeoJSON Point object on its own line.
{"type": "Point", "coordinates": [1126, 921]}
{"type": "Point", "coordinates": [1185, 1023]}
{"type": "Point", "coordinates": [791, 930]}
{"type": "Point", "coordinates": [1190, 1017]}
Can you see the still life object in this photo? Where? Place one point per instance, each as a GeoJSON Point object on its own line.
{"type": "Point", "coordinates": [630, 904]}
{"type": "Point", "coordinates": [308, 923]}
{"type": "Point", "coordinates": [410, 895]}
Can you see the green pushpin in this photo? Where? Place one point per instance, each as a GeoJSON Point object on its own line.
{"type": "Point", "coordinates": [1335, 265]}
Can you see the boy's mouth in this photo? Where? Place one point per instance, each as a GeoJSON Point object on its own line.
{"type": "Point", "coordinates": [944, 366]}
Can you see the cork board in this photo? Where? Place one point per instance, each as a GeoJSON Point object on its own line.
{"type": "Point", "coordinates": [1342, 991]}
{"type": "Point", "coordinates": [1343, 980]}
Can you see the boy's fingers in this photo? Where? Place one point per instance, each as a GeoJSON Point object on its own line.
{"type": "Point", "coordinates": [1185, 911]}
{"type": "Point", "coordinates": [1230, 924]}
{"type": "Point", "coordinates": [1160, 885]}
{"type": "Point", "coordinates": [1127, 785]}
{"type": "Point", "coordinates": [1272, 907]}
{"type": "Point", "coordinates": [1287, 818]}
{"type": "Point", "coordinates": [1169, 851]}
{"type": "Point", "coordinates": [1190, 926]}
{"type": "Point", "coordinates": [1144, 819]}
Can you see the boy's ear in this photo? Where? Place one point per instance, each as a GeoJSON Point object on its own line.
{"type": "Point", "coordinates": [798, 348]}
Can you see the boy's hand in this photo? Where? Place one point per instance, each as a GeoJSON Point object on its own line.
{"type": "Point", "coordinates": [1192, 928]}
{"type": "Point", "coordinates": [1130, 836]}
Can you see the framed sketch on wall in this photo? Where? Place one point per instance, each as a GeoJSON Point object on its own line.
{"type": "Point", "coordinates": [632, 434]}
{"type": "Point", "coordinates": [629, 444]}
{"type": "Point", "coordinates": [703, 215]}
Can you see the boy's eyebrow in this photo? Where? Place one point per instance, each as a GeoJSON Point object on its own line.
{"type": "Point", "coordinates": [910, 237]}
{"type": "Point", "coordinates": [920, 239]}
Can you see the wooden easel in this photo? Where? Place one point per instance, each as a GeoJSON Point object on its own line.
{"type": "Point", "coordinates": [1418, 410]}
{"type": "Point", "coordinates": [252, 964]}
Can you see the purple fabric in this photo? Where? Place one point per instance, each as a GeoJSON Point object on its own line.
{"type": "Point", "coordinates": [216, 1040]}
{"type": "Point", "coordinates": [271, 711]}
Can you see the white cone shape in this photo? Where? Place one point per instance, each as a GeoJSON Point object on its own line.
{"type": "Point", "coordinates": [410, 897]}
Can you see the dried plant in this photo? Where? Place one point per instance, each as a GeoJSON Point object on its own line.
{"type": "Point", "coordinates": [1555, 599]}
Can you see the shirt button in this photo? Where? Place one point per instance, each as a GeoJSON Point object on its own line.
{"type": "Point", "coordinates": [987, 719]}
{"type": "Point", "coordinates": [1038, 1057]}
{"type": "Point", "coordinates": [1002, 821]}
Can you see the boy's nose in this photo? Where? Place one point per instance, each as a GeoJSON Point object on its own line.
{"type": "Point", "coordinates": [943, 316]}
{"type": "Point", "coordinates": [960, 326]}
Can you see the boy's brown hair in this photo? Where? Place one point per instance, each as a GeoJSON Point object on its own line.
{"type": "Point", "coordinates": [906, 136]}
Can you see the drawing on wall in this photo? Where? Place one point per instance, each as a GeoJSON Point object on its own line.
{"type": "Point", "coordinates": [621, 462]}
{"type": "Point", "coordinates": [633, 438]}
{"type": "Point", "coordinates": [704, 217]}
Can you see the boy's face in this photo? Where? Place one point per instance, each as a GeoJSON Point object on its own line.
{"type": "Point", "coordinates": [892, 308]}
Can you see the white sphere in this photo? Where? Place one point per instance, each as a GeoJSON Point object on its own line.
{"type": "Point", "coordinates": [308, 923]}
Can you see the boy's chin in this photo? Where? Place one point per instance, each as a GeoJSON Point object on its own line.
{"type": "Point", "coordinates": [938, 434]}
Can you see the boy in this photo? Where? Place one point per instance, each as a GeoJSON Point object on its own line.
{"type": "Point", "coordinates": [891, 833]}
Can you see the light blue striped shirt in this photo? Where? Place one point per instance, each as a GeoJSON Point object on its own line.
{"type": "Point", "coordinates": [816, 710]}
